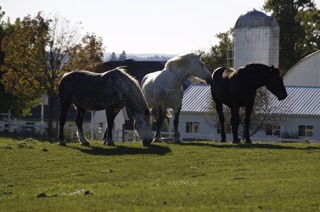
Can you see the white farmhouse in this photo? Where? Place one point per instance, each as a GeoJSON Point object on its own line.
{"type": "Point", "coordinates": [301, 109]}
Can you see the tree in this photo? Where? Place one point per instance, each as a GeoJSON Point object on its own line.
{"type": "Point", "coordinates": [17, 82]}
{"type": "Point", "coordinates": [122, 56]}
{"type": "Point", "coordinates": [39, 52]}
{"type": "Point", "coordinates": [299, 22]}
{"type": "Point", "coordinates": [113, 57]}
{"type": "Point", "coordinates": [218, 54]}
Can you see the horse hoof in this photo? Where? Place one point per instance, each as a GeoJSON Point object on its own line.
{"type": "Point", "coordinates": [223, 141]}
{"type": "Point", "coordinates": [85, 144]}
{"type": "Point", "coordinates": [178, 141]}
{"type": "Point", "coordinates": [157, 140]}
{"type": "Point", "coordinates": [236, 142]}
{"type": "Point", "coordinates": [110, 144]}
{"type": "Point", "coordinates": [62, 143]}
{"type": "Point", "coordinates": [145, 145]}
{"type": "Point", "coordinates": [248, 142]}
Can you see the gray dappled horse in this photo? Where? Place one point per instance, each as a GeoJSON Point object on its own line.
{"type": "Point", "coordinates": [109, 91]}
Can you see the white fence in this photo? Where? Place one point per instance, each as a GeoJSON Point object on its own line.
{"type": "Point", "coordinates": [70, 133]}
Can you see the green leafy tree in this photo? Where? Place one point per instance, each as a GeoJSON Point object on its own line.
{"type": "Point", "coordinates": [122, 56]}
{"type": "Point", "coordinates": [113, 57]}
{"type": "Point", "coordinates": [39, 52]}
{"type": "Point", "coordinates": [7, 100]}
{"type": "Point", "coordinates": [218, 54]}
{"type": "Point", "coordinates": [299, 22]}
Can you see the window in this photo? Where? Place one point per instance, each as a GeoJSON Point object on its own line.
{"type": "Point", "coordinates": [272, 130]}
{"type": "Point", "coordinates": [309, 131]}
{"type": "Point", "coordinates": [301, 130]}
{"type": "Point", "coordinates": [305, 130]}
{"type": "Point", "coordinates": [276, 130]}
{"type": "Point", "coordinates": [192, 127]}
{"type": "Point", "coordinates": [268, 129]}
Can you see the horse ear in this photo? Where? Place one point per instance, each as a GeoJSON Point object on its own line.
{"type": "Point", "coordinates": [272, 68]}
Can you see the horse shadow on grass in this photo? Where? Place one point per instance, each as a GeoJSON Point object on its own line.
{"type": "Point", "coordinates": [123, 150]}
{"type": "Point", "coordinates": [252, 146]}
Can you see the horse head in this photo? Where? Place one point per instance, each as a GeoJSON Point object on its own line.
{"type": "Point", "coordinates": [274, 83]}
{"type": "Point", "coordinates": [199, 69]}
{"type": "Point", "coordinates": [143, 126]}
{"type": "Point", "coordinates": [189, 65]}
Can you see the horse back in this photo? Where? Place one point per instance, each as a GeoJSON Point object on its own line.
{"type": "Point", "coordinates": [221, 85]}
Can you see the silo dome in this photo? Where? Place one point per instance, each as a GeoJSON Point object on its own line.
{"type": "Point", "coordinates": [256, 39]}
{"type": "Point", "coordinates": [256, 19]}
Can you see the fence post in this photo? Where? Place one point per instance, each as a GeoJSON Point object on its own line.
{"type": "Point", "coordinates": [123, 132]}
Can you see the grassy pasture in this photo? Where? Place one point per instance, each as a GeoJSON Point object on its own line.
{"type": "Point", "coordinates": [38, 175]}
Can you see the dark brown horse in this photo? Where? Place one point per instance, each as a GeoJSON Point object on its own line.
{"type": "Point", "coordinates": [237, 88]}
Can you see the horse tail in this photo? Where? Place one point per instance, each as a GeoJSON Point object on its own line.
{"type": "Point", "coordinates": [217, 74]}
{"type": "Point", "coordinates": [168, 114]}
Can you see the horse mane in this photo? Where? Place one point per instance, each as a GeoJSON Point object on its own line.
{"type": "Point", "coordinates": [260, 67]}
{"type": "Point", "coordinates": [229, 72]}
{"type": "Point", "coordinates": [137, 94]}
{"type": "Point", "coordinates": [180, 60]}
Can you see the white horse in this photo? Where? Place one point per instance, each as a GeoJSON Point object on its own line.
{"type": "Point", "coordinates": [164, 90]}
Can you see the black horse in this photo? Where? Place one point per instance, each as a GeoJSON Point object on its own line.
{"type": "Point", "coordinates": [109, 91]}
{"type": "Point", "coordinates": [237, 88]}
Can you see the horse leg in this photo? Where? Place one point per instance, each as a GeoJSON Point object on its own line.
{"type": "Point", "coordinates": [79, 122]}
{"type": "Point", "coordinates": [107, 138]}
{"type": "Point", "coordinates": [247, 124]}
{"type": "Point", "coordinates": [221, 120]}
{"type": "Point", "coordinates": [62, 120]}
{"type": "Point", "coordinates": [176, 136]}
{"type": "Point", "coordinates": [235, 121]}
{"type": "Point", "coordinates": [161, 115]}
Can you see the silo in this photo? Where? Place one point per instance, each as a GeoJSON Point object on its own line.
{"type": "Point", "coordinates": [256, 39]}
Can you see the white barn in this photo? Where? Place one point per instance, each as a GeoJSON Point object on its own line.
{"type": "Point", "coordinates": [99, 121]}
{"type": "Point", "coordinates": [306, 72]}
{"type": "Point", "coordinates": [301, 109]}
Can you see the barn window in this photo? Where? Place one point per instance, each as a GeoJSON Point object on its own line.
{"type": "Point", "coordinates": [301, 130]}
{"type": "Point", "coordinates": [192, 127]}
{"type": "Point", "coordinates": [305, 130]}
{"type": "Point", "coordinates": [309, 131]}
{"type": "Point", "coordinates": [272, 130]}
{"type": "Point", "coordinates": [276, 130]}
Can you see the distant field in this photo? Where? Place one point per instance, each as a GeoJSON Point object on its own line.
{"type": "Point", "coordinates": [197, 176]}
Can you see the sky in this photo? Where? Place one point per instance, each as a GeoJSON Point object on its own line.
{"type": "Point", "coordinates": [144, 26]}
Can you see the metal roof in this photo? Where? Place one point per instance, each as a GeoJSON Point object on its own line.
{"type": "Point", "coordinates": [197, 98]}
{"type": "Point", "coordinates": [256, 19]}
{"type": "Point", "coordinates": [301, 100]}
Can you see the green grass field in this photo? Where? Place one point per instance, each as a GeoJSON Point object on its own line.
{"type": "Point", "coordinates": [197, 176]}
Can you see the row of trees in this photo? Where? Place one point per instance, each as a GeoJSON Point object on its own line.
{"type": "Point", "coordinates": [122, 56]}
{"type": "Point", "coordinates": [35, 53]}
